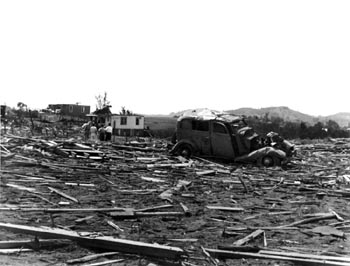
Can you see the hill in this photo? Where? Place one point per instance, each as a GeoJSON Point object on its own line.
{"type": "Point", "coordinates": [287, 114]}
{"type": "Point", "coordinates": [283, 112]}
{"type": "Point", "coordinates": [343, 119]}
{"type": "Point", "coordinates": [160, 122]}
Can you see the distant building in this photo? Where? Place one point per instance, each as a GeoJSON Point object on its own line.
{"type": "Point", "coordinates": [127, 125]}
{"type": "Point", "coordinates": [101, 117]}
{"type": "Point", "coordinates": [70, 111]}
{"type": "Point", "coordinates": [4, 110]}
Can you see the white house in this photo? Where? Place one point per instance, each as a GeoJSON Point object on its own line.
{"type": "Point", "coordinates": [127, 125]}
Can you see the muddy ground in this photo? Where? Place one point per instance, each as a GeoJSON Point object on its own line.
{"type": "Point", "coordinates": [135, 175]}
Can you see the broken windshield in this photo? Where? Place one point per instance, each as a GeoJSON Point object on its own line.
{"type": "Point", "coordinates": [236, 125]}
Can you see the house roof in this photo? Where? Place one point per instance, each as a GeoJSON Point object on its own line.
{"type": "Point", "coordinates": [104, 111]}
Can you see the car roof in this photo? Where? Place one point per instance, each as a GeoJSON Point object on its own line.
{"type": "Point", "coordinates": [208, 115]}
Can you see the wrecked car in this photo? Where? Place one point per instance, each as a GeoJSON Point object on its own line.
{"type": "Point", "coordinates": [225, 136]}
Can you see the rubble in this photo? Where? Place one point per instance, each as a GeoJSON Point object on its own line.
{"type": "Point", "coordinates": [143, 204]}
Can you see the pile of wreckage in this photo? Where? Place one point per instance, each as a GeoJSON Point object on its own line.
{"type": "Point", "coordinates": [134, 203]}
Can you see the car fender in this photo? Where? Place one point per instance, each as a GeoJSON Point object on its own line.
{"type": "Point", "coordinates": [260, 153]}
{"type": "Point", "coordinates": [180, 143]}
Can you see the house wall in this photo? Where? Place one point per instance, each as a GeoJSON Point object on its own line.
{"type": "Point", "coordinates": [71, 109]}
{"type": "Point", "coordinates": [130, 122]}
{"type": "Point", "coordinates": [128, 129]}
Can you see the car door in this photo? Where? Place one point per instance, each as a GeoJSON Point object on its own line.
{"type": "Point", "coordinates": [201, 136]}
{"type": "Point", "coordinates": [221, 141]}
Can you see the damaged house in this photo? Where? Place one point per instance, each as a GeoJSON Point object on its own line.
{"type": "Point", "coordinates": [70, 111]}
{"type": "Point", "coordinates": [127, 125]}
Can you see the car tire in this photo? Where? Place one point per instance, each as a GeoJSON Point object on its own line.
{"type": "Point", "coordinates": [185, 151]}
{"type": "Point", "coordinates": [269, 161]}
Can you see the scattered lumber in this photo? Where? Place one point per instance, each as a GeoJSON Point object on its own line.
{"type": "Point", "coordinates": [169, 192]}
{"type": "Point", "coordinates": [288, 203]}
{"type": "Point", "coordinates": [313, 219]}
{"type": "Point", "coordinates": [133, 148]}
{"type": "Point", "coordinates": [282, 256]}
{"type": "Point", "coordinates": [327, 230]}
{"type": "Point", "coordinates": [102, 242]}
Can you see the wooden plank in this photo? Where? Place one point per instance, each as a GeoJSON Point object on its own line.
{"type": "Point", "coordinates": [239, 255]}
{"type": "Point", "coordinates": [62, 194]}
{"type": "Point", "coordinates": [248, 238]}
{"type": "Point", "coordinates": [205, 172]}
{"type": "Point", "coordinates": [12, 244]}
{"type": "Point", "coordinates": [103, 242]}
{"type": "Point", "coordinates": [9, 251]}
{"type": "Point", "coordinates": [169, 165]}
{"type": "Point", "coordinates": [133, 214]}
{"type": "Point", "coordinates": [29, 189]}
{"type": "Point", "coordinates": [167, 194]}
{"type": "Point", "coordinates": [114, 226]}
{"type": "Point", "coordinates": [87, 151]}
{"type": "Point", "coordinates": [91, 257]}
{"type": "Point", "coordinates": [155, 208]}
{"type": "Point", "coordinates": [243, 184]}
{"type": "Point", "coordinates": [222, 208]}
{"type": "Point", "coordinates": [311, 220]}
{"type": "Point", "coordinates": [107, 262]}
{"type": "Point", "coordinates": [185, 209]}
{"type": "Point", "coordinates": [307, 256]}
{"type": "Point", "coordinates": [183, 239]}
{"type": "Point", "coordinates": [84, 219]}
{"type": "Point", "coordinates": [54, 210]}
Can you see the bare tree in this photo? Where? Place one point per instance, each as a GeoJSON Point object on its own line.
{"type": "Point", "coordinates": [102, 101]}
{"type": "Point", "coordinates": [125, 111]}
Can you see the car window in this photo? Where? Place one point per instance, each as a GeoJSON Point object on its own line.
{"type": "Point", "coordinates": [200, 125]}
{"type": "Point", "coordinates": [219, 128]}
{"type": "Point", "coordinates": [186, 124]}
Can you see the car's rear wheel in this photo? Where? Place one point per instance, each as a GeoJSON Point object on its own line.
{"type": "Point", "coordinates": [269, 161]}
{"type": "Point", "coordinates": [185, 151]}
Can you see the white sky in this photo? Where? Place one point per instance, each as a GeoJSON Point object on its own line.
{"type": "Point", "coordinates": [156, 57]}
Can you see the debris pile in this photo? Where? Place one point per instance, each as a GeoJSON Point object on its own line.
{"type": "Point", "coordinates": [134, 204]}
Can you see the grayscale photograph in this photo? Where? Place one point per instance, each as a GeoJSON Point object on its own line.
{"type": "Point", "coordinates": [183, 133]}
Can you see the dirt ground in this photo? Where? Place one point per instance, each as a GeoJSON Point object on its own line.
{"type": "Point", "coordinates": [136, 175]}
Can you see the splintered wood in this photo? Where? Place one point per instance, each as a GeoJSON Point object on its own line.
{"type": "Point", "coordinates": [139, 203]}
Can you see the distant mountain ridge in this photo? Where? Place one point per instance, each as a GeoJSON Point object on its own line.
{"type": "Point", "coordinates": [343, 119]}
{"type": "Point", "coordinates": [287, 114]}
{"type": "Point", "coordinates": [283, 112]}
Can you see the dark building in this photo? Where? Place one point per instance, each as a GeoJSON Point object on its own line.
{"type": "Point", "coordinates": [70, 110]}
{"type": "Point", "coordinates": [3, 111]}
